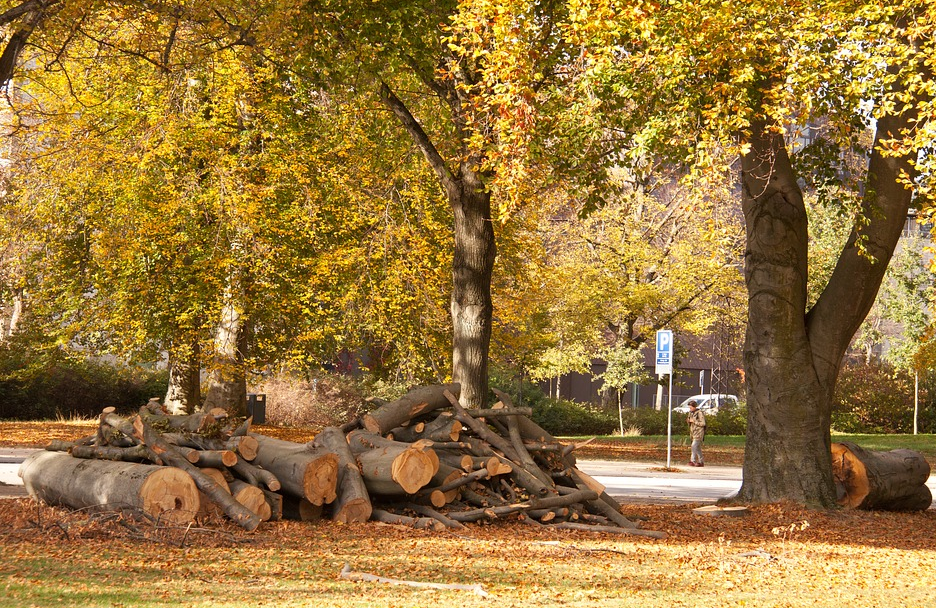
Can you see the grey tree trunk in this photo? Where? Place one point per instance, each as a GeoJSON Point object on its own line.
{"type": "Point", "coordinates": [10, 324]}
{"type": "Point", "coordinates": [184, 393]}
{"type": "Point", "coordinates": [792, 358]}
{"type": "Point", "coordinates": [227, 384]}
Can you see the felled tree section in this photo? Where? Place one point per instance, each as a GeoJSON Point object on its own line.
{"type": "Point", "coordinates": [166, 493]}
{"type": "Point", "coordinates": [891, 481]}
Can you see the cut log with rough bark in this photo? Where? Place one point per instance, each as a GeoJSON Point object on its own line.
{"type": "Point", "coordinates": [165, 493]}
{"type": "Point", "coordinates": [415, 403]}
{"type": "Point", "coordinates": [889, 481]}
{"type": "Point", "coordinates": [141, 431]}
{"type": "Point", "coordinates": [302, 472]}
{"type": "Point", "coordinates": [392, 468]}
{"type": "Point", "coordinates": [251, 497]}
{"type": "Point", "coordinates": [352, 504]}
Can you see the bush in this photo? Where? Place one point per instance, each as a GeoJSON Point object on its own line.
{"type": "Point", "coordinates": [731, 421]}
{"type": "Point", "coordinates": [54, 383]}
{"type": "Point", "coordinates": [561, 417]}
{"type": "Point", "coordinates": [875, 398]}
{"type": "Point", "coordinates": [648, 420]}
{"type": "Point", "coordinates": [319, 400]}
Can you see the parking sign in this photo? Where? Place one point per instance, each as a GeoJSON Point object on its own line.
{"type": "Point", "coordinates": [664, 352]}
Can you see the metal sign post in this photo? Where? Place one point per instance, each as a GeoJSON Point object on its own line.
{"type": "Point", "coordinates": [664, 365]}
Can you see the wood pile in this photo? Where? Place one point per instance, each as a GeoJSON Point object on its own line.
{"type": "Point", "coordinates": [422, 460]}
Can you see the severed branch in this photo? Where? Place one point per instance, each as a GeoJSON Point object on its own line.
{"type": "Point", "coordinates": [349, 575]}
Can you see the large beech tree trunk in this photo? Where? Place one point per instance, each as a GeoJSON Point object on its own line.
{"type": "Point", "coordinates": [475, 250]}
{"type": "Point", "coordinates": [183, 395]}
{"type": "Point", "coordinates": [792, 358]}
{"type": "Point", "coordinates": [472, 269]}
{"type": "Point", "coordinates": [166, 493]}
{"type": "Point", "coordinates": [892, 481]}
{"type": "Point", "coordinates": [227, 382]}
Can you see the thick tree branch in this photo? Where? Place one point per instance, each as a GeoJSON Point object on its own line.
{"type": "Point", "coordinates": [419, 137]}
{"type": "Point", "coordinates": [32, 13]}
{"type": "Point", "coordinates": [857, 277]}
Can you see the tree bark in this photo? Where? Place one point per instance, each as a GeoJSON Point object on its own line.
{"type": "Point", "coordinates": [472, 270]}
{"type": "Point", "coordinates": [165, 493]}
{"type": "Point", "coordinates": [792, 358]}
{"type": "Point", "coordinates": [183, 395]}
{"type": "Point", "coordinates": [227, 383]}
{"type": "Point", "coordinates": [300, 471]}
{"type": "Point", "coordinates": [892, 481]}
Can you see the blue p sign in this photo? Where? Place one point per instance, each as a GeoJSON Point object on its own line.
{"type": "Point", "coordinates": [664, 352]}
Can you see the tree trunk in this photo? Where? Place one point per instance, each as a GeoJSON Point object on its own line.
{"type": "Point", "coordinates": [227, 384]}
{"type": "Point", "coordinates": [9, 327]}
{"type": "Point", "coordinates": [473, 266]}
{"type": "Point", "coordinates": [166, 493]}
{"type": "Point", "coordinates": [892, 481]}
{"type": "Point", "coordinates": [792, 358]}
{"type": "Point", "coordinates": [475, 248]}
{"type": "Point", "coordinates": [183, 395]}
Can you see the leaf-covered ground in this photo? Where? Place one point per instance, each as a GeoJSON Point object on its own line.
{"type": "Point", "coordinates": [776, 556]}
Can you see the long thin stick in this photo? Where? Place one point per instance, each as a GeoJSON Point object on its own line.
{"type": "Point", "coordinates": [348, 575]}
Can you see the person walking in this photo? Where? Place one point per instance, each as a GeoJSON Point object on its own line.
{"type": "Point", "coordinates": [696, 421]}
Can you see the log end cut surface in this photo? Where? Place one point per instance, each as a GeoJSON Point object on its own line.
{"type": "Point", "coordinates": [850, 475]}
{"type": "Point", "coordinates": [414, 468]}
{"type": "Point", "coordinates": [170, 495]}
{"type": "Point", "coordinates": [320, 479]}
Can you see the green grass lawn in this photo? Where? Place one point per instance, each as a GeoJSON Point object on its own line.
{"type": "Point", "coordinates": [729, 449]}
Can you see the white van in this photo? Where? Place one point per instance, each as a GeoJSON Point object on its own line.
{"type": "Point", "coordinates": [709, 404]}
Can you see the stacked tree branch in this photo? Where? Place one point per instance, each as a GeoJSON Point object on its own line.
{"type": "Point", "coordinates": [485, 465]}
{"type": "Point", "coordinates": [422, 460]}
{"type": "Point", "coordinates": [178, 467]}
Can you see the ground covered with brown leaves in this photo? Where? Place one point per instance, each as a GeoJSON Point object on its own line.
{"type": "Point", "coordinates": [776, 556]}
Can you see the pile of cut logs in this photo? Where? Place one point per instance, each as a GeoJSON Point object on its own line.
{"type": "Point", "coordinates": [422, 460]}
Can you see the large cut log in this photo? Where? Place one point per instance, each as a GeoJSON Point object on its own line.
{"type": "Point", "coordinates": [891, 481]}
{"type": "Point", "coordinates": [392, 468]}
{"type": "Point", "coordinates": [414, 403]}
{"type": "Point", "coordinates": [165, 493]}
{"type": "Point", "coordinates": [251, 497]}
{"type": "Point", "coordinates": [301, 471]}
{"type": "Point", "coordinates": [352, 504]}
{"type": "Point", "coordinates": [141, 431]}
